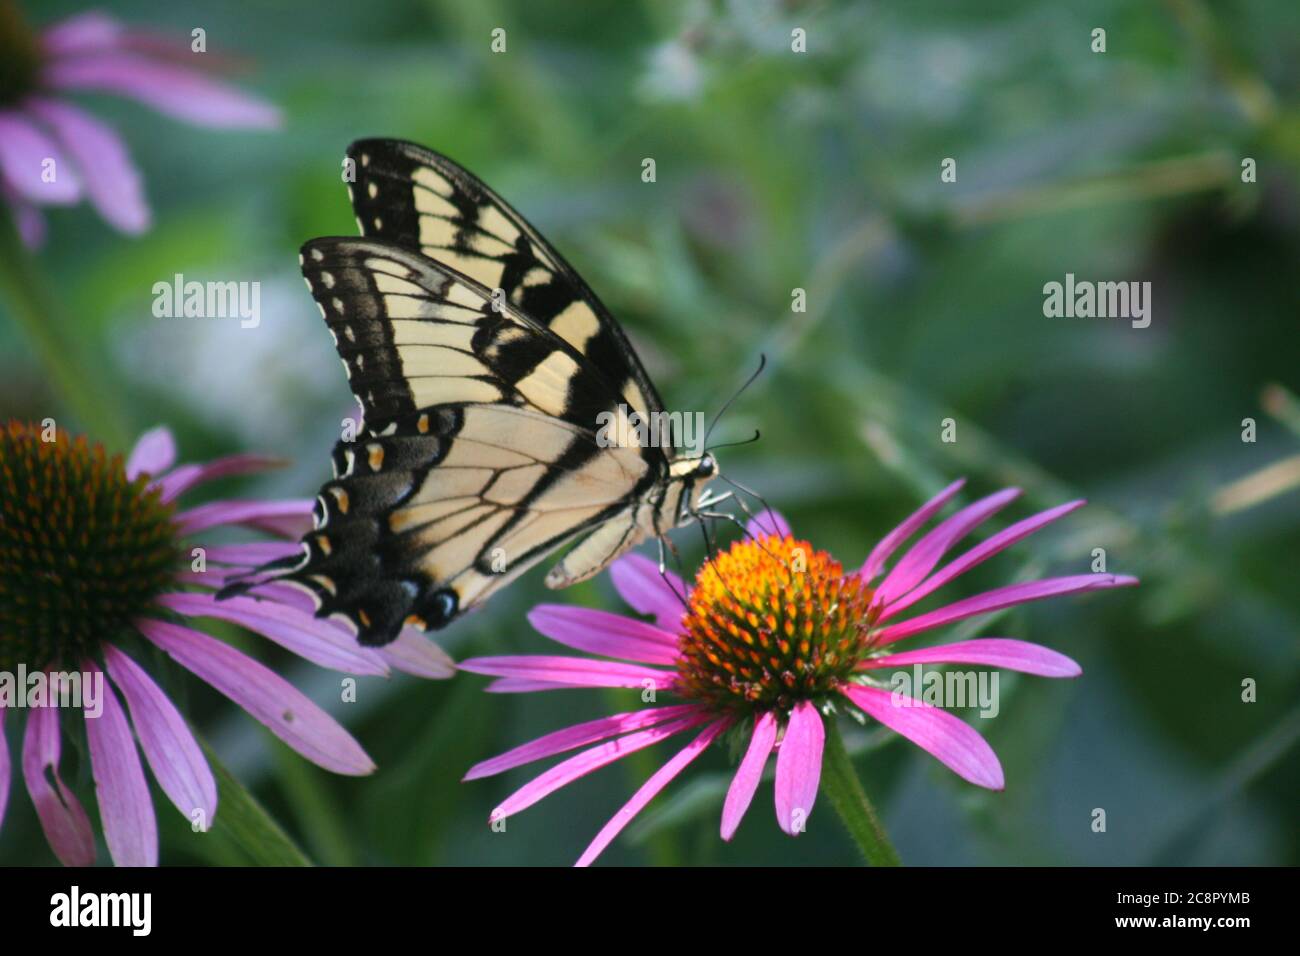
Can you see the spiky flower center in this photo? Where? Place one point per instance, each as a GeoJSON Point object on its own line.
{"type": "Point", "coordinates": [20, 55]}
{"type": "Point", "coordinates": [772, 622]}
{"type": "Point", "coordinates": [82, 550]}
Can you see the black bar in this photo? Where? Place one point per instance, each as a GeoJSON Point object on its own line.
{"type": "Point", "coordinates": [738, 906]}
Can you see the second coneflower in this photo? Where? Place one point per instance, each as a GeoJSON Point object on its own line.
{"type": "Point", "coordinates": [776, 635]}
{"type": "Point", "coordinates": [98, 565]}
{"type": "Point", "coordinates": [54, 153]}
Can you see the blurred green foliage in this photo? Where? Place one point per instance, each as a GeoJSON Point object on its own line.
{"type": "Point", "coordinates": [778, 171]}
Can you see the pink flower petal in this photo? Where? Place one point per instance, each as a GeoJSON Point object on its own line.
{"type": "Point", "coordinates": [252, 553]}
{"type": "Point", "coordinates": [289, 519]}
{"type": "Point", "coordinates": [581, 764]}
{"type": "Point", "coordinates": [24, 148]}
{"type": "Point", "coordinates": [603, 633]}
{"type": "Point", "coordinates": [743, 785]}
{"type": "Point", "coordinates": [638, 582]}
{"type": "Point", "coordinates": [212, 578]}
{"type": "Point", "coordinates": [66, 826]}
{"type": "Point", "coordinates": [519, 685]}
{"type": "Point", "coordinates": [188, 476]}
{"type": "Point", "coordinates": [27, 218]}
{"type": "Point", "coordinates": [413, 653]}
{"type": "Point", "coordinates": [578, 735]}
{"type": "Point", "coordinates": [952, 741]}
{"type": "Point", "coordinates": [112, 180]}
{"type": "Point", "coordinates": [217, 575]}
{"type": "Point", "coordinates": [649, 790]}
{"type": "Point", "coordinates": [5, 768]}
{"type": "Point", "coordinates": [174, 755]}
{"type": "Point", "coordinates": [990, 651]}
{"type": "Point", "coordinates": [81, 33]}
{"type": "Point", "coordinates": [154, 453]}
{"type": "Point", "coordinates": [291, 595]}
{"type": "Point", "coordinates": [799, 767]}
{"type": "Point", "coordinates": [999, 598]}
{"type": "Point", "coordinates": [925, 554]}
{"type": "Point", "coordinates": [890, 542]}
{"type": "Point", "coordinates": [976, 555]}
{"type": "Point", "coordinates": [267, 697]}
{"type": "Point", "coordinates": [125, 807]}
{"type": "Point", "coordinates": [175, 91]}
{"type": "Point", "coordinates": [320, 641]}
{"type": "Point", "coordinates": [768, 522]}
{"type": "Point", "coordinates": [575, 671]}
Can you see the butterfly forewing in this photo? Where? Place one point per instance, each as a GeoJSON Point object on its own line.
{"type": "Point", "coordinates": [422, 200]}
{"type": "Point", "coordinates": [414, 334]}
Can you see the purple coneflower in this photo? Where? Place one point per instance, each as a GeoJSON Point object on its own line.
{"type": "Point", "coordinates": [53, 153]}
{"type": "Point", "coordinates": [774, 638]}
{"type": "Point", "coordinates": [97, 563]}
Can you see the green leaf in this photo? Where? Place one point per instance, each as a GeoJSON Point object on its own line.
{"type": "Point", "coordinates": [244, 823]}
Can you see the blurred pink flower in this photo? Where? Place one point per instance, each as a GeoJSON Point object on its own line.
{"type": "Point", "coordinates": [773, 635]}
{"type": "Point", "coordinates": [93, 558]}
{"type": "Point", "coordinates": [39, 126]}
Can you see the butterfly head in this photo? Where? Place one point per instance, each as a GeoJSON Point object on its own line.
{"type": "Point", "coordinates": [692, 475]}
{"type": "Point", "coordinates": [706, 466]}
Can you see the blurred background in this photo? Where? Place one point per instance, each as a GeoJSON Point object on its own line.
{"type": "Point", "coordinates": [779, 171]}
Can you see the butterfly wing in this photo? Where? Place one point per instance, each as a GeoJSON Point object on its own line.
{"type": "Point", "coordinates": [414, 334]}
{"type": "Point", "coordinates": [420, 199]}
{"type": "Point", "coordinates": [480, 453]}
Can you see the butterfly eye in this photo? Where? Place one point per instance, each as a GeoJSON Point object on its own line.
{"type": "Point", "coordinates": [707, 467]}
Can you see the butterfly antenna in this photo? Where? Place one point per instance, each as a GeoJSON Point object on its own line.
{"type": "Point", "coordinates": [732, 444]}
{"type": "Point", "coordinates": [762, 363]}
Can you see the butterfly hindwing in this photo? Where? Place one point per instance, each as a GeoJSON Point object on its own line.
{"type": "Point", "coordinates": [422, 200]}
{"type": "Point", "coordinates": [452, 504]}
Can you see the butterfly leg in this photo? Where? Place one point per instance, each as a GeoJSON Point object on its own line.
{"type": "Point", "coordinates": [663, 570]}
{"type": "Point", "coordinates": [748, 514]}
{"type": "Point", "coordinates": [719, 516]}
{"type": "Point", "coordinates": [746, 490]}
{"type": "Point", "coordinates": [709, 548]}
{"type": "Point", "coordinates": [708, 499]}
{"type": "Point", "coordinates": [728, 516]}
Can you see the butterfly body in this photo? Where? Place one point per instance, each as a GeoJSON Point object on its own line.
{"type": "Point", "coordinates": [483, 365]}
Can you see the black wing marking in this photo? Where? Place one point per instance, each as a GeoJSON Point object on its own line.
{"type": "Point", "coordinates": [422, 200]}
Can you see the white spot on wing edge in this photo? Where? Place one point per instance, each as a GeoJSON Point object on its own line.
{"type": "Point", "coordinates": [347, 622]}
{"type": "Point", "coordinates": [299, 586]}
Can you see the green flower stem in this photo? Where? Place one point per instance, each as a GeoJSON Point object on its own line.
{"type": "Point", "coordinates": [841, 784]}
{"type": "Point", "coordinates": [28, 301]}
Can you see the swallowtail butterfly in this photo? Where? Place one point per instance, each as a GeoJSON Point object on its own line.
{"type": "Point", "coordinates": [482, 362]}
